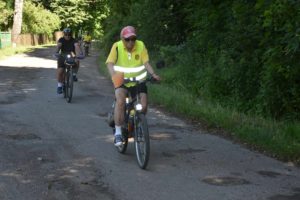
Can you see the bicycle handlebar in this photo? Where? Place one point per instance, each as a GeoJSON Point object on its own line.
{"type": "Point", "coordinates": [134, 80]}
{"type": "Point", "coordinates": [57, 55]}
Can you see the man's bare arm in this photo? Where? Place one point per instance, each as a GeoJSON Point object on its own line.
{"type": "Point", "coordinates": [110, 67]}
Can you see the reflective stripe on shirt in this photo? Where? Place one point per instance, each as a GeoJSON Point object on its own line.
{"type": "Point", "coordinates": [129, 70]}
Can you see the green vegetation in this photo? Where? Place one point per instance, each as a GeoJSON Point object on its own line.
{"type": "Point", "coordinates": [80, 15]}
{"type": "Point", "coordinates": [12, 51]}
{"type": "Point", "coordinates": [38, 20]}
{"type": "Point", "coordinates": [5, 14]}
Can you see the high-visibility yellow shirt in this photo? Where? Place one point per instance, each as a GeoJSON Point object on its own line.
{"type": "Point", "coordinates": [120, 56]}
{"type": "Point", "coordinates": [87, 38]}
{"type": "Point", "coordinates": [112, 57]}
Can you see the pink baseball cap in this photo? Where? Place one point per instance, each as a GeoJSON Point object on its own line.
{"type": "Point", "coordinates": [128, 31]}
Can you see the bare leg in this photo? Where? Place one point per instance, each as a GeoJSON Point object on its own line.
{"type": "Point", "coordinates": [144, 102]}
{"type": "Point", "coordinates": [76, 67]}
{"type": "Point", "coordinates": [119, 106]}
{"type": "Point", "coordinates": [59, 73]}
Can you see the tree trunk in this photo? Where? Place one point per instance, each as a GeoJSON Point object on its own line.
{"type": "Point", "coordinates": [18, 13]}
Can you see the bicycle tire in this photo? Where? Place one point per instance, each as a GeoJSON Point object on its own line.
{"type": "Point", "coordinates": [69, 86]}
{"type": "Point", "coordinates": [65, 83]}
{"type": "Point", "coordinates": [142, 141]}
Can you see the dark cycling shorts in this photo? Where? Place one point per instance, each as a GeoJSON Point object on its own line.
{"type": "Point", "coordinates": [61, 62]}
{"type": "Point", "coordinates": [142, 89]}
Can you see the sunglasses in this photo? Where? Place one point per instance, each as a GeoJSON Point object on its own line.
{"type": "Point", "coordinates": [67, 35]}
{"type": "Point", "coordinates": [130, 39]}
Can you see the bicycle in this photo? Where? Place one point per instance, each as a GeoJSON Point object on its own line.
{"type": "Point", "coordinates": [86, 46]}
{"type": "Point", "coordinates": [69, 62]}
{"type": "Point", "coordinates": [135, 126]}
{"type": "Point", "coordinates": [68, 77]}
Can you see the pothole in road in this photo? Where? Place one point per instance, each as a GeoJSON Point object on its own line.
{"type": "Point", "coordinates": [190, 150]}
{"type": "Point", "coordinates": [225, 181]}
{"type": "Point", "coordinates": [103, 114]}
{"type": "Point", "coordinates": [182, 151]}
{"type": "Point", "coordinates": [168, 155]}
{"type": "Point", "coordinates": [286, 197]}
{"type": "Point", "coordinates": [27, 136]}
{"type": "Point", "coordinates": [168, 126]}
{"type": "Point", "coordinates": [270, 174]}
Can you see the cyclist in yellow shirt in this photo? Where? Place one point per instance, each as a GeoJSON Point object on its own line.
{"type": "Point", "coordinates": [128, 58]}
{"type": "Point", "coordinates": [87, 39]}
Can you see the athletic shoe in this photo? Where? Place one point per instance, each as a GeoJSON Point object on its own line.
{"type": "Point", "coordinates": [59, 90]}
{"type": "Point", "coordinates": [118, 140]}
{"type": "Point", "coordinates": [75, 78]}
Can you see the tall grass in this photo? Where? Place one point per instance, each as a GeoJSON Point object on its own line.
{"type": "Point", "coordinates": [279, 139]}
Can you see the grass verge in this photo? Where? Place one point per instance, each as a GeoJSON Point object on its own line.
{"type": "Point", "coordinates": [275, 138]}
{"type": "Point", "coordinates": [9, 51]}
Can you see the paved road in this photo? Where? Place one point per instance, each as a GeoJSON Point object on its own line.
{"type": "Point", "coordinates": [53, 150]}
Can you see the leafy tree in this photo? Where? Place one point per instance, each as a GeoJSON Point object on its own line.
{"type": "Point", "coordinates": [5, 15]}
{"type": "Point", "coordinates": [38, 20]}
{"type": "Point", "coordinates": [45, 3]}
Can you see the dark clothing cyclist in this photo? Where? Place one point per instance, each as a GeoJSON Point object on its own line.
{"type": "Point", "coordinates": [66, 45]}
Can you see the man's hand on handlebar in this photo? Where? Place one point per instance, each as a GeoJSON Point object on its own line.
{"type": "Point", "coordinates": [156, 77]}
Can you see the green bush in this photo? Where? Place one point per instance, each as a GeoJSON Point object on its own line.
{"type": "Point", "coordinates": [37, 20]}
{"type": "Point", "coordinates": [5, 15]}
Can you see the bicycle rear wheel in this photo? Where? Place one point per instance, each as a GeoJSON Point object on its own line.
{"type": "Point", "coordinates": [69, 85]}
{"type": "Point", "coordinates": [142, 141]}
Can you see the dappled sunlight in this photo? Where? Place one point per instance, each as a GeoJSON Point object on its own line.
{"type": "Point", "coordinates": [17, 176]}
{"type": "Point", "coordinates": [164, 118]}
{"type": "Point", "coordinates": [72, 169]}
{"type": "Point", "coordinates": [27, 90]}
{"type": "Point", "coordinates": [109, 138]}
{"type": "Point", "coordinates": [23, 60]}
{"type": "Point", "coordinates": [162, 136]}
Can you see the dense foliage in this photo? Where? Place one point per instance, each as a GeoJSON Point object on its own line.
{"type": "Point", "coordinates": [80, 15]}
{"type": "Point", "coordinates": [241, 53]}
{"type": "Point", "coordinates": [38, 20]}
{"type": "Point", "coordinates": [6, 8]}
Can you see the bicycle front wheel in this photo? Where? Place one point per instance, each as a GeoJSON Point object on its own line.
{"type": "Point", "coordinates": [69, 85]}
{"type": "Point", "coordinates": [142, 141]}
